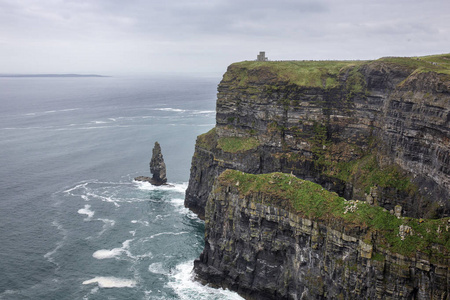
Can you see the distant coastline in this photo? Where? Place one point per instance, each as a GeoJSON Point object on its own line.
{"type": "Point", "coordinates": [51, 75]}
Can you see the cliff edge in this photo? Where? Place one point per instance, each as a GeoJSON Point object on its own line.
{"type": "Point", "coordinates": [375, 133]}
{"type": "Point", "coordinates": [377, 130]}
{"type": "Point", "coordinates": [274, 236]}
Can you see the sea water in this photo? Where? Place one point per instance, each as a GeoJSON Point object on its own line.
{"type": "Point", "coordinates": [73, 222]}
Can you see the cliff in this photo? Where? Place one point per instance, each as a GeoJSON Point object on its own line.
{"type": "Point", "coordinates": [376, 129]}
{"type": "Point", "coordinates": [376, 132]}
{"type": "Point", "coordinates": [274, 236]}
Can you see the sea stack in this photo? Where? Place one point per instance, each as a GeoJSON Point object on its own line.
{"type": "Point", "coordinates": [157, 168]}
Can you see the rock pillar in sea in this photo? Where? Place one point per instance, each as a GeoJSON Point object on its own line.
{"type": "Point", "coordinates": [157, 166]}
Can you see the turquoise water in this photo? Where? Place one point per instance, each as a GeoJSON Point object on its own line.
{"type": "Point", "coordinates": [73, 223]}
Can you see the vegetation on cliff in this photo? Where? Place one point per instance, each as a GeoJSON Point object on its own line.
{"type": "Point", "coordinates": [325, 74]}
{"type": "Point", "coordinates": [321, 74]}
{"type": "Point", "coordinates": [400, 235]}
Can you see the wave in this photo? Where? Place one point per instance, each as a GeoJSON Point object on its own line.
{"type": "Point", "coordinates": [111, 282]}
{"type": "Point", "coordinates": [175, 187]}
{"type": "Point", "coordinates": [183, 283]}
{"type": "Point", "coordinates": [170, 109]}
{"type": "Point", "coordinates": [202, 112]}
{"type": "Point", "coordinates": [167, 233]}
{"type": "Point", "coordinates": [59, 244]}
{"type": "Point", "coordinates": [39, 113]}
{"type": "Point", "coordinates": [104, 253]}
{"type": "Point", "coordinates": [86, 211]}
{"type": "Point", "coordinates": [179, 205]}
{"type": "Point", "coordinates": [158, 268]}
{"type": "Point", "coordinates": [145, 223]}
{"type": "Point", "coordinates": [107, 224]}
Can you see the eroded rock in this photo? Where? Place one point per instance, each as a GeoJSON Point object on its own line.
{"type": "Point", "coordinates": [157, 168]}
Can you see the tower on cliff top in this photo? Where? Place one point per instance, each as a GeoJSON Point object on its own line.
{"type": "Point", "coordinates": [261, 56]}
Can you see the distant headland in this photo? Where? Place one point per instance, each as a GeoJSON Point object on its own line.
{"type": "Point", "coordinates": [52, 75]}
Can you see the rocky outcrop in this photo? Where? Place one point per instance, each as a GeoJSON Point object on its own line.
{"type": "Point", "coordinates": [361, 129]}
{"type": "Point", "coordinates": [262, 245]}
{"type": "Point", "coordinates": [375, 133]}
{"type": "Point", "coordinates": [157, 168]}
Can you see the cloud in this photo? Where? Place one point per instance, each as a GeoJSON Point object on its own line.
{"type": "Point", "coordinates": [205, 35]}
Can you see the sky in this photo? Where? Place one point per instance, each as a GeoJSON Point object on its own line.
{"type": "Point", "coordinates": [146, 36]}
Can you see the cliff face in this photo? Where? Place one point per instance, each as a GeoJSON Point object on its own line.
{"type": "Point", "coordinates": [265, 249]}
{"type": "Point", "coordinates": [377, 130]}
{"type": "Point", "coordinates": [375, 133]}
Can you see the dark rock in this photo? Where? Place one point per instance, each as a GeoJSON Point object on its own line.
{"type": "Point", "coordinates": [157, 168]}
{"type": "Point", "coordinates": [266, 252]}
{"type": "Point", "coordinates": [381, 132]}
{"type": "Point", "coordinates": [397, 116]}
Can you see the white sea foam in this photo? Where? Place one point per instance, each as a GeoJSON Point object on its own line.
{"type": "Point", "coordinates": [158, 268]}
{"type": "Point", "coordinates": [106, 253]}
{"type": "Point", "coordinates": [175, 187]}
{"type": "Point", "coordinates": [59, 244]}
{"type": "Point", "coordinates": [182, 282]}
{"type": "Point", "coordinates": [170, 109]}
{"type": "Point", "coordinates": [103, 254]}
{"type": "Point", "coordinates": [86, 211]}
{"type": "Point", "coordinates": [111, 282]}
{"type": "Point", "coordinates": [178, 203]}
{"type": "Point", "coordinates": [103, 198]}
{"type": "Point", "coordinates": [107, 224]}
{"type": "Point", "coordinates": [167, 233]}
{"type": "Point", "coordinates": [145, 223]}
{"type": "Point", "coordinates": [78, 186]}
{"type": "Point", "coordinates": [201, 112]}
{"type": "Point", "coordinates": [92, 292]}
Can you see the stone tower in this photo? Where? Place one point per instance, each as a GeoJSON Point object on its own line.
{"type": "Point", "coordinates": [261, 56]}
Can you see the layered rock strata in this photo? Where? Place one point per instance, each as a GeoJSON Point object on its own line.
{"type": "Point", "coordinates": [374, 132]}
{"type": "Point", "coordinates": [361, 129]}
{"type": "Point", "coordinates": [261, 246]}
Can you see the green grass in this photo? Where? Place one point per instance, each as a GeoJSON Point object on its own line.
{"type": "Point", "coordinates": [422, 63]}
{"type": "Point", "coordinates": [210, 141]}
{"type": "Point", "coordinates": [325, 74]}
{"type": "Point", "coordinates": [321, 74]}
{"type": "Point", "coordinates": [237, 144]}
{"type": "Point", "coordinates": [207, 140]}
{"type": "Point", "coordinates": [366, 173]}
{"type": "Point", "coordinates": [311, 201]}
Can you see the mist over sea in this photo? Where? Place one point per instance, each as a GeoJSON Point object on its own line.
{"type": "Point", "coordinates": [73, 223]}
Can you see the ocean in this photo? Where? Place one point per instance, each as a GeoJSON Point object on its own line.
{"type": "Point", "coordinates": [73, 222]}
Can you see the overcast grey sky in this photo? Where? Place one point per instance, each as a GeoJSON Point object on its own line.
{"type": "Point", "coordinates": [139, 36]}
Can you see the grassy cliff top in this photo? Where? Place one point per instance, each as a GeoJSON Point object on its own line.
{"type": "Point", "coordinates": [324, 74]}
{"type": "Point", "coordinates": [311, 201]}
{"type": "Point", "coordinates": [301, 73]}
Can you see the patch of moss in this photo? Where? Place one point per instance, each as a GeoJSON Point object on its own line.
{"type": "Point", "coordinates": [378, 256]}
{"type": "Point", "coordinates": [366, 172]}
{"type": "Point", "coordinates": [355, 83]}
{"type": "Point", "coordinates": [237, 144]}
{"type": "Point", "coordinates": [319, 143]}
{"type": "Point", "coordinates": [431, 63]}
{"type": "Point", "coordinates": [310, 200]}
{"type": "Point", "coordinates": [207, 140]}
{"type": "Point", "coordinates": [323, 74]}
